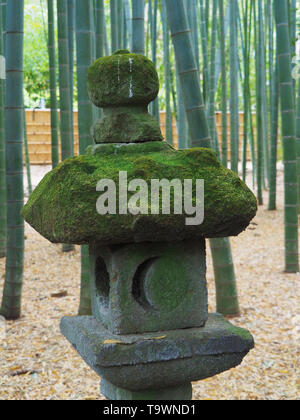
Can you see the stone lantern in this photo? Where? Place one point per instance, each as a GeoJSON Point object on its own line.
{"type": "Point", "coordinates": [150, 334]}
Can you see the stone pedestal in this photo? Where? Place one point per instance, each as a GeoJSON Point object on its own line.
{"type": "Point", "coordinates": [137, 366]}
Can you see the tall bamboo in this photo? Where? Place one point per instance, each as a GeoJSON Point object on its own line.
{"type": "Point", "coordinates": [204, 43]}
{"type": "Point", "coordinates": [155, 103]}
{"type": "Point", "coordinates": [128, 22]}
{"type": "Point", "coordinates": [138, 22]}
{"type": "Point", "coordinates": [262, 68]}
{"type": "Point", "coordinates": [52, 76]}
{"type": "Point", "coordinates": [199, 131]}
{"type": "Point", "coordinates": [27, 157]}
{"type": "Point", "coordinates": [84, 49]}
{"type": "Point", "coordinates": [212, 78]}
{"type": "Point", "coordinates": [259, 117]}
{"type": "Point", "coordinates": [234, 106]}
{"type": "Point", "coordinates": [114, 25]}
{"type": "Point", "coordinates": [167, 68]}
{"type": "Point", "coordinates": [288, 137]}
{"type": "Point", "coordinates": [298, 140]}
{"type": "Point", "coordinates": [274, 105]}
{"type": "Point", "coordinates": [71, 23]}
{"type": "Point", "coordinates": [2, 147]}
{"type": "Point", "coordinates": [66, 129]}
{"type": "Point", "coordinates": [100, 37]}
{"type": "Point", "coordinates": [188, 74]}
{"type": "Point", "coordinates": [11, 302]}
{"type": "Point", "coordinates": [224, 85]}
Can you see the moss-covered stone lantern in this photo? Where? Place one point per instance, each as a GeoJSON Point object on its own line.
{"type": "Point", "coordinates": [150, 334]}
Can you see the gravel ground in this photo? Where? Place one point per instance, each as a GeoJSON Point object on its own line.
{"type": "Point", "coordinates": [36, 362]}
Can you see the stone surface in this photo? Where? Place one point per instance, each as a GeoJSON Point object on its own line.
{"type": "Point", "coordinates": [126, 125]}
{"type": "Point", "coordinates": [158, 360]}
{"type": "Point", "coordinates": [122, 79]}
{"type": "Point", "coordinates": [179, 393]}
{"type": "Point", "coordinates": [63, 207]}
{"type": "Point", "coordinates": [149, 287]}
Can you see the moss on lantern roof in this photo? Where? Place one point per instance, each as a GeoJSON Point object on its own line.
{"type": "Point", "coordinates": [63, 207]}
{"type": "Point", "coordinates": [122, 79]}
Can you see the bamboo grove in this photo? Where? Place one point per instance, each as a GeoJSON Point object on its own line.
{"type": "Point", "coordinates": [230, 79]}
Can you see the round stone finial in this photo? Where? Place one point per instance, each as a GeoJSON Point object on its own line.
{"type": "Point", "coordinates": [122, 79]}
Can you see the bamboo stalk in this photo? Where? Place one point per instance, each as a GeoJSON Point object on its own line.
{"type": "Point", "coordinates": [11, 302]}
{"type": "Point", "coordinates": [274, 99]}
{"type": "Point", "coordinates": [84, 49]}
{"type": "Point", "coordinates": [224, 158]}
{"type": "Point", "coordinates": [100, 38]}
{"type": "Point", "coordinates": [114, 25]}
{"type": "Point", "coordinates": [52, 77]}
{"type": "Point", "coordinates": [188, 74]}
{"type": "Point", "coordinates": [259, 120]}
{"type": "Point", "coordinates": [212, 81]}
{"type": "Point", "coordinates": [204, 43]}
{"type": "Point", "coordinates": [234, 106]}
{"type": "Point", "coordinates": [199, 131]}
{"type": "Point", "coordinates": [3, 228]}
{"type": "Point", "coordinates": [138, 22]}
{"type": "Point", "coordinates": [288, 137]}
{"type": "Point", "coordinates": [66, 130]}
{"type": "Point", "coordinates": [167, 68]}
{"type": "Point", "coordinates": [27, 159]}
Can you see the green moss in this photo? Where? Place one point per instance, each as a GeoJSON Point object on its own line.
{"type": "Point", "coordinates": [63, 206]}
{"type": "Point", "coordinates": [245, 334]}
{"type": "Point", "coordinates": [122, 79]}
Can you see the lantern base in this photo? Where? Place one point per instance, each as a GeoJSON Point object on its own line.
{"type": "Point", "coordinates": [153, 365]}
{"type": "Point", "coordinates": [178, 393]}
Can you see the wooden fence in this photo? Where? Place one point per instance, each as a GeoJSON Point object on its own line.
{"type": "Point", "coordinates": [39, 134]}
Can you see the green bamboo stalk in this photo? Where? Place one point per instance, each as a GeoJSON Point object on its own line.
{"type": "Point", "coordinates": [181, 117]}
{"type": "Point", "coordinates": [188, 74]}
{"type": "Point", "coordinates": [234, 107]}
{"type": "Point", "coordinates": [212, 81]}
{"type": "Point", "coordinates": [138, 22]}
{"type": "Point", "coordinates": [262, 68]}
{"type": "Point", "coordinates": [204, 43]}
{"type": "Point", "coordinates": [226, 288]}
{"type": "Point", "coordinates": [120, 22]}
{"type": "Point", "coordinates": [114, 25]}
{"type": "Point", "coordinates": [3, 228]}
{"type": "Point", "coordinates": [71, 19]}
{"type": "Point", "coordinates": [52, 77]}
{"type": "Point", "coordinates": [3, 7]}
{"type": "Point", "coordinates": [246, 63]}
{"type": "Point", "coordinates": [27, 159]}
{"type": "Point", "coordinates": [224, 154]}
{"type": "Point", "coordinates": [128, 22]}
{"type": "Point", "coordinates": [11, 301]}
{"type": "Point", "coordinates": [259, 120]}
{"type": "Point", "coordinates": [274, 105]}
{"type": "Point", "coordinates": [274, 141]}
{"type": "Point", "coordinates": [155, 103]}
{"type": "Point", "coordinates": [100, 17]}
{"type": "Point", "coordinates": [66, 131]}
{"type": "Point", "coordinates": [84, 50]}
{"type": "Point", "coordinates": [288, 137]}
{"type": "Point", "coordinates": [167, 68]}
{"type": "Point", "coordinates": [298, 140]}
{"type": "Point", "coordinates": [199, 131]}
